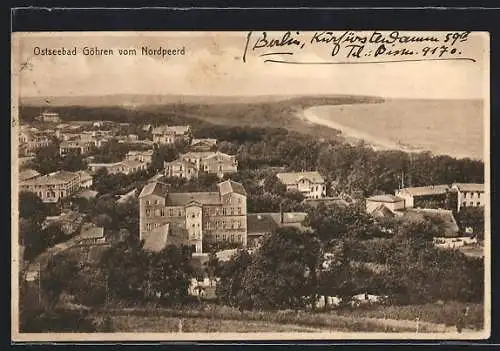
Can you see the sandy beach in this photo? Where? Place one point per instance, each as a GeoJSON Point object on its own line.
{"type": "Point", "coordinates": [415, 136]}
{"type": "Point", "coordinates": [353, 135]}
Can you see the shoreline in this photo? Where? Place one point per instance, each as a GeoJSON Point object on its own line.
{"type": "Point", "coordinates": [354, 136]}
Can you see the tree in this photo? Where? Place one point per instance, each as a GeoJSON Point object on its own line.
{"type": "Point", "coordinates": [52, 235]}
{"type": "Point", "coordinates": [212, 266]}
{"type": "Point", "coordinates": [282, 274]}
{"type": "Point", "coordinates": [231, 276]}
{"type": "Point", "coordinates": [126, 268]}
{"type": "Point", "coordinates": [169, 274]}
{"type": "Point", "coordinates": [30, 235]}
{"type": "Point", "coordinates": [47, 159]}
{"type": "Point", "coordinates": [273, 185]}
{"type": "Point", "coordinates": [31, 207]}
{"type": "Point", "coordinates": [165, 153]}
{"type": "Point", "coordinates": [73, 162]}
{"type": "Point", "coordinates": [54, 279]}
{"type": "Point", "coordinates": [472, 217]}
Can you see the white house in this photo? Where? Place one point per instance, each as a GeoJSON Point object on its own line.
{"type": "Point", "coordinates": [469, 195]}
{"type": "Point", "coordinates": [310, 184]}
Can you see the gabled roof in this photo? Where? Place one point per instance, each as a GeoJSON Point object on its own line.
{"type": "Point", "coordinates": [469, 187]}
{"type": "Point", "coordinates": [52, 178]}
{"type": "Point", "coordinates": [205, 141]}
{"type": "Point", "coordinates": [197, 154]}
{"type": "Point", "coordinates": [219, 155]}
{"type": "Point", "coordinates": [385, 198]}
{"type": "Point", "coordinates": [182, 199]}
{"type": "Point", "coordinates": [157, 239]}
{"type": "Point", "coordinates": [167, 234]}
{"type": "Point", "coordinates": [154, 188]}
{"type": "Point", "coordinates": [28, 174]}
{"type": "Point", "coordinates": [137, 152]}
{"type": "Point", "coordinates": [229, 186]}
{"type": "Point", "coordinates": [327, 201]}
{"type": "Point", "coordinates": [444, 217]}
{"type": "Point", "coordinates": [290, 178]}
{"type": "Point", "coordinates": [177, 130]}
{"type": "Point", "coordinates": [91, 232]}
{"type": "Point", "coordinates": [382, 211]}
{"type": "Point", "coordinates": [425, 190]}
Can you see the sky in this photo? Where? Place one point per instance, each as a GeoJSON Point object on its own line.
{"type": "Point", "coordinates": [212, 65]}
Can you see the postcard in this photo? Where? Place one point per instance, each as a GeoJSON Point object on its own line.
{"type": "Point", "coordinates": [261, 185]}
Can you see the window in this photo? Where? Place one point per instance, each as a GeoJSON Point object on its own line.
{"type": "Point", "coordinates": [223, 224]}
{"type": "Point", "coordinates": [148, 212]}
{"type": "Point", "coordinates": [147, 202]}
{"type": "Point", "coordinates": [478, 195]}
{"type": "Point", "coordinates": [464, 204]}
{"type": "Point", "coordinates": [171, 212]}
{"type": "Point", "coordinates": [162, 212]}
{"type": "Point", "coordinates": [224, 211]}
{"type": "Point", "coordinates": [478, 203]}
{"type": "Point", "coordinates": [472, 203]}
{"type": "Point", "coordinates": [157, 202]}
{"type": "Point", "coordinates": [239, 210]}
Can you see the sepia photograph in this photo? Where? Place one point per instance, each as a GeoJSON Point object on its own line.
{"type": "Point", "coordinates": [279, 185]}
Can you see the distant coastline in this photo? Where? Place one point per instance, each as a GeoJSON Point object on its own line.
{"type": "Point", "coordinates": [320, 116]}
{"type": "Point", "coordinates": [350, 134]}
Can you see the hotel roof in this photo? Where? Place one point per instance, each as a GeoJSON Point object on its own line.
{"type": "Point", "coordinates": [290, 178]}
{"type": "Point", "coordinates": [440, 216]}
{"type": "Point", "coordinates": [182, 199]}
{"type": "Point", "coordinates": [157, 240]}
{"type": "Point", "coordinates": [52, 178]}
{"type": "Point", "coordinates": [165, 129]}
{"type": "Point", "coordinates": [204, 140]}
{"type": "Point", "coordinates": [385, 198]}
{"type": "Point", "coordinates": [426, 190]}
{"type": "Point", "coordinates": [197, 154]}
{"type": "Point", "coordinates": [474, 187]}
{"type": "Point", "coordinates": [229, 186]}
{"type": "Point", "coordinates": [138, 152]}
{"type": "Point", "coordinates": [154, 188]}
{"type": "Point", "coordinates": [28, 174]}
